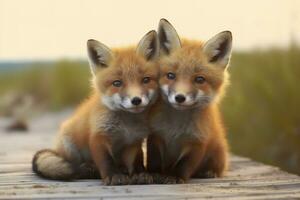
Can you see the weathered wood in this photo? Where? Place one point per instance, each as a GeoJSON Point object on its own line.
{"type": "Point", "coordinates": [245, 179]}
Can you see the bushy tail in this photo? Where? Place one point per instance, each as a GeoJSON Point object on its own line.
{"type": "Point", "coordinates": [49, 164]}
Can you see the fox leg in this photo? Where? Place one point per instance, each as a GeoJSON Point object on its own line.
{"type": "Point", "coordinates": [143, 177]}
{"type": "Point", "coordinates": [154, 154]}
{"type": "Point", "coordinates": [85, 168]}
{"type": "Point", "coordinates": [155, 162]}
{"type": "Point", "coordinates": [139, 161]}
{"type": "Point", "coordinates": [88, 170]}
{"type": "Point", "coordinates": [188, 163]}
{"type": "Point", "coordinates": [133, 159]}
{"type": "Point", "coordinates": [214, 164]}
{"type": "Point", "coordinates": [109, 172]}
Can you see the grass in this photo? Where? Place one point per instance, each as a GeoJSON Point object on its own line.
{"type": "Point", "coordinates": [261, 109]}
{"type": "Point", "coordinates": [56, 85]}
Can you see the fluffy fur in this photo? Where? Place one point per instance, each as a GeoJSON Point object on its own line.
{"type": "Point", "coordinates": [106, 132]}
{"type": "Point", "coordinates": [188, 138]}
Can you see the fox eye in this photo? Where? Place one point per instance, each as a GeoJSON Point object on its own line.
{"type": "Point", "coordinates": [200, 79]}
{"type": "Point", "coordinates": [117, 83]}
{"type": "Point", "coordinates": [146, 80]}
{"type": "Point", "coordinates": [171, 76]}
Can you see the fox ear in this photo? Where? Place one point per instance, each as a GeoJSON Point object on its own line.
{"type": "Point", "coordinates": [218, 48]}
{"type": "Point", "coordinates": [99, 55]}
{"type": "Point", "coordinates": [149, 46]}
{"type": "Point", "coordinates": [168, 37]}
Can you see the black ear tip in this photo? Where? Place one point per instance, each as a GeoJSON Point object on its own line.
{"type": "Point", "coordinates": [163, 21]}
{"type": "Point", "coordinates": [91, 42]}
{"type": "Point", "coordinates": [152, 32]}
{"type": "Point", "coordinates": [227, 34]}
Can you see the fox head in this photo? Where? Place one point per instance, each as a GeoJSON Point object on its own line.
{"type": "Point", "coordinates": [126, 78]}
{"type": "Point", "coordinates": [192, 72]}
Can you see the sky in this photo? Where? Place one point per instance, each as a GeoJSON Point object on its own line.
{"type": "Point", "coordinates": [54, 29]}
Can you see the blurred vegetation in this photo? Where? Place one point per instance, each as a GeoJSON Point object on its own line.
{"type": "Point", "coordinates": [261, 108]}
{"type": "Point", "coordinates": [54, 85]}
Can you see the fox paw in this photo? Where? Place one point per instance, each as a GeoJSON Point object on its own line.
{"type": "Point", "coordinates": [117, 179]}
{"type": "Point", "coordinates": [173, 180]}
{"type": "Point", "coordinates": [88, 171]}
{"type": "Point", "coordinates": [165, 179]}
{"type": "Point", "coordinates": [158, 178]}
{"type": "Point", "coordinates": [208, 174]}
{"type": "Point", "coordinates": [142, 178]}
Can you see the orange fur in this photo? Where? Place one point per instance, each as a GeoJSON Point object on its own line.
{"type": "Point", "coordinates": [109, 138]}
{"type": "Point", "coordinates": [188, 140]}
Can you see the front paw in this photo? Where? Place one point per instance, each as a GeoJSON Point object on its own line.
{"type": "Point", "coordinates": [165, 179]}
{"type": "Point", "coordinates": [158, 178]}
{"type": "Point", "coordinates": [117, 179]}
{"type": "Point", "coordinates": [173, 180]}
{"type": "Point", "coordinates": [208, 174]}
{"type": "Point", "coordinates": [142, 178]}
{"type": "Point", "coordinates": [88, 171]}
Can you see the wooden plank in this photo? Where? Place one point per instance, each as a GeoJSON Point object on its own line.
{"type": "Point", "coordinates": [149, 191]}
{"type": "Point", "coordinates": [245, 179]}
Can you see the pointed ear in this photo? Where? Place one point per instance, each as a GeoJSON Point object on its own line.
{"type": "Point", "coordinates": [168, 37]}
{"type": "Point", "coordinates": [99, 55]}
{"type": "Point", "coordinates": [218, 48]}
{"type": "Point", "coordinates": [149, 46]}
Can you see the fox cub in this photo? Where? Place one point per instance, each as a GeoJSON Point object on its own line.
{"type": "Point", "coordinates": [107, 129]}
{"type": "Point", "coordinates": [188, 138]}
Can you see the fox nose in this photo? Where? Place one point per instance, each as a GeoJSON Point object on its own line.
{"type": "Point", "coordinates": [136, 101]}
{"type": "Point", "coordinates": [180, 98]}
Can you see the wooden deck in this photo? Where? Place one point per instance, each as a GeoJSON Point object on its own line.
{"type": "Point", "coordinates": [245, 180]}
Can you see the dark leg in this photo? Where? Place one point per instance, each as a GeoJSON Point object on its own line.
{"type": "Point", "coordinates": [109, 172]}
{"type": "Point", "coordinates": [154, 157]}
{"type": "Point", "coordinates": [186, 167]}
{"type": "Point", "coordinates": [214, 164]}
{"type": "Point", "coordinates": [88, 170]}
{"type": "Point", "coordinates": [155, 163]}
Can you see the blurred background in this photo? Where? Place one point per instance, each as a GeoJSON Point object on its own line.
{"type": "Point", "coordinates": [43, 64]}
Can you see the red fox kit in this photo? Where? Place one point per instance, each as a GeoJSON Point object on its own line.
{"type": "Point", "coordinates": [188, 139]}
{"type": "Point", "coordinates": [108, 128]}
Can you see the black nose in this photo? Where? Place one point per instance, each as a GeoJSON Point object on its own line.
{"type": "Point", "coordinates": [136, 101]}
{"type": "Point", "coordinates": [180, 98]}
